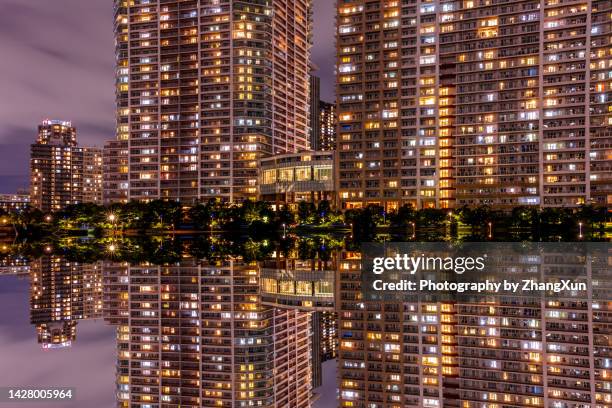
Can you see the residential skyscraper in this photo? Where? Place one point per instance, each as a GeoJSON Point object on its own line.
{"type": "Point", "coordinates": [61, 172]}
{"type": "Point", "coordinates": [443, 104]}
{"type": "Point", "coordinates": [197, 335]}
{"type": "Point", "coordinates": [204, 90]}
{"type": "Point", "coordinates": [531, 102]}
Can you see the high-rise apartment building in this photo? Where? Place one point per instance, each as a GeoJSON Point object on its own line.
{"type": "Point", "coordinates": [198, 335]}
{"type": "Point", "coordinates": [61, 172]}
{"type": "Point", "coordinates": [54, 170]}
{"type": "Point", "coordinates": [205, 89]}
{"type": "Point", "coordinates": [327, 124]}
{"type": "Point", "coordinates": [447, 103]}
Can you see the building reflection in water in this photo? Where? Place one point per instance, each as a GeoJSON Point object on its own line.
{"type": "Point", "coordinates": [306, 285]}
{"type": "Point", "coordinates": [504, 351]}
{"type": "Point", "coordinates": [238, 334]}
{"type": "Point", "coordinates": [62, 293]}
{"type": "Point", "coordinates": [14, 265]}
{"type": "Point", "coordinates": [199, 335]}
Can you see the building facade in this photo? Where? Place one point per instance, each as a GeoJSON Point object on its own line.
{"type": "Point", "coordinates": [54, 171]}
{"type": "Point", "coordinates": [198, 335]}
{"type": "Point", "coordinates": [61, 172]}
{"type": "Point", "coordinates": [204, 90]}
{"type": "Point", "coordinates": [93, 168]}
{"type": "Point", "coordinates": [444, 104]}
{"type": "Point", "coordinates": [291, 178]}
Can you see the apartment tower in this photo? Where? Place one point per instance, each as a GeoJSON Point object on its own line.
{"type": "Point", "coordinates": [204, 89]}
{"type": "Point", "coordinates": [448, 103]}
{"type": "Point", "coordinates": [61, 172]}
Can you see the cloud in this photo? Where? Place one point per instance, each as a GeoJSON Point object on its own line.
{"type": "Point", "coordinates": [60, 65]}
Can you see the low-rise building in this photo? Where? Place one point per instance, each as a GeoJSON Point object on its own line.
{"type": "Point", "coordinates": [291, 178]}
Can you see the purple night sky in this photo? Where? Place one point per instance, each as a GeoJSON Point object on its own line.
{"type": "Point", "coordinates": [58, 63]}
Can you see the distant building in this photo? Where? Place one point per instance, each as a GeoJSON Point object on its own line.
{"type": "Point", "coordinates": [327, 125]}
{"type": "Point", "coordinates": [322, 119]}
{"type": "Point", "coordinates": [13, 264]}
{"type": "Point", "coordinates": [329, 335]}
{"type": "Point", "coordinates": [324, 343]}
{"type": "Point", "coordinates": [291, 178]}
{"type": "Point", "coordinates": [314, 112]}
{"type": "Point", "coordinates": [14, 202]}
{"type": "Point", "coordinates": [61, 172]}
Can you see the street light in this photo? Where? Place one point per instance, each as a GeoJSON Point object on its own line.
{"type": "Point", "coordinates": [48, 218]}
{"type": "Point", "coordinates": [490, 229]}
{"type": "Point", "coordinates": [413, 229]}
{"type": "Point", "coordinates": [112, 218]}
{"type": "Point", "coordinates": [284, 230]}
{"type": "Point", "coordinates": [580, 230]}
